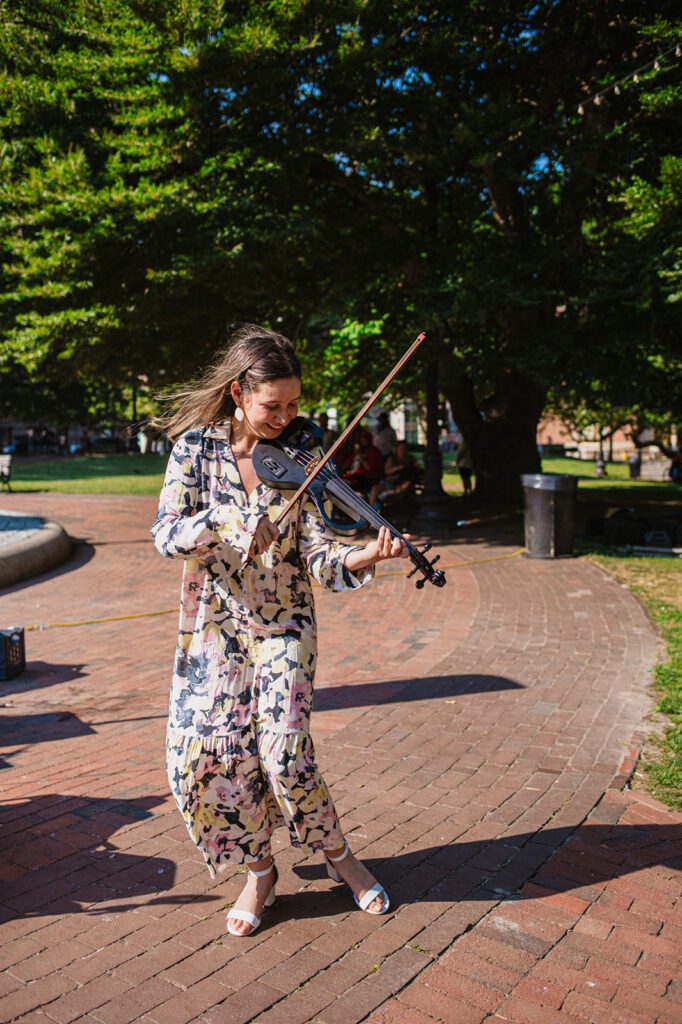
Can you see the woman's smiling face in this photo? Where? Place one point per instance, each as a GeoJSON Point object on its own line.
{"type": "Point", "coordinates": [271, 406]}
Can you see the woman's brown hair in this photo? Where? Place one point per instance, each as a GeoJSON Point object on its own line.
{"type": "Point", "coordinates": [253, 356]}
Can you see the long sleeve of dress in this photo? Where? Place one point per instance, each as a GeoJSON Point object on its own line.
{"type": "Point", "coordinates": [324, 556]}
{"type": "Point", "coordinates": [179, 531]}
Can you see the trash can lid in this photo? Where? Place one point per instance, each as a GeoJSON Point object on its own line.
{"type": "Point", "coordinates": [549, 481]}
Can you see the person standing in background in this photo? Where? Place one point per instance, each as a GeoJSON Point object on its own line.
{"type": "Point", "coordinates": [465, 466]}
{"type": "Point", "coordinates": [385, 436]}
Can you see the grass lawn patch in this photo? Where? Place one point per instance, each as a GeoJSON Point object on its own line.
{"type": "Point", "coordinates": [143, 474]}
{"type": "Point", "coordinates": [617, 488]}
{"type": "Point", "coordinates": [658, 584]}
{"type": "Point", "coordinates": [91, 474]}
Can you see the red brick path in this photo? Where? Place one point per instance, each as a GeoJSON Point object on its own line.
{"type": "Point", "coordinates": [477, 740]}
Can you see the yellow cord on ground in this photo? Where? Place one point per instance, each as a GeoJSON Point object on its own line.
{"type": "Point", "coordinates": [457, 565]}
{"type": "Point", "coordinates": [171, 611]}
{"type": "Point", "coordinates": [108, 618]}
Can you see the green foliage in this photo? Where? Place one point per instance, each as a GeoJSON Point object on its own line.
{"type": "Point", "coordinates": [167, 169]}
{"type": "Point", "coordinates": [352, 363]}
{"type": "Point", "coordinates": [653, 216]}
{"type": "Point", "coordinates": [656, 581]}
{"type": "Point", "coordinates": [665, 772]}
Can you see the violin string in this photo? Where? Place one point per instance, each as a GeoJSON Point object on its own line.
{"type": "Point", "coordinates": [353, 497]}
{"type": "Point", "coordinates": [305, 458]}
{"type": "Point", "coordinates": [348, 490]}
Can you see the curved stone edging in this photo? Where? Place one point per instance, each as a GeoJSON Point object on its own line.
{"type": "Point", "coordinates": [45, 550]}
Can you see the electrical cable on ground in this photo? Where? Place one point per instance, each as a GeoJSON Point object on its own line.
{"type": "Point", "coordinates": [170, 611]}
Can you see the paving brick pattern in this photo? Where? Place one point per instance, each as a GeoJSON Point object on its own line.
{"type": "Point", "coordinates": [477, 740]}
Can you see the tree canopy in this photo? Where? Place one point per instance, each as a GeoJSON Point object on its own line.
{"type": "Point", "coordinates": [351, 173]}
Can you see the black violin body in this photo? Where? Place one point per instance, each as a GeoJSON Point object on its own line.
{"type": "Point", "coordinates": [285, 464]}
{"type": "Point", "coordinates": [302, 436]}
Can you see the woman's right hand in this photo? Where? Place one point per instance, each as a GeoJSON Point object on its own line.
{"type": "Point", "coordinates": [266, 533]}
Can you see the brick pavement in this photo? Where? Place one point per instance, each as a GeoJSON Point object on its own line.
{"type": "Point", "coordinates": [477, 740]}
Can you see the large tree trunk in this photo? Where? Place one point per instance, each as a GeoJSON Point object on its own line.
{"type": "Point", "coordinates": [501, 433]}
{"type": "Point", "coordinates": [433, 459]}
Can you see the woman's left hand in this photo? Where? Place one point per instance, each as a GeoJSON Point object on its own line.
{"type": "Point", "coordinates": [386, 546]}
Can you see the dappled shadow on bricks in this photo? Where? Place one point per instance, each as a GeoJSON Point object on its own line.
{"type": "Point", "coordinates": [400, 691]}
{"type": "Point", "coordinates": [62, 843]}
{"type": "Point", "coordinates": [95, 877]}
{"type": "Point", "coordinates": [43, 728]}
{"type": "Point", "coordinates": [571, 860]}
{"type": "Point", "coordinates": [467, 524]}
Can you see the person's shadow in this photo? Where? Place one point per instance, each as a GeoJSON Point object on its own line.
{"type": "Point", "coordinates": [555, 860]}
{"type": "Point", "coordinates": [331, 698]}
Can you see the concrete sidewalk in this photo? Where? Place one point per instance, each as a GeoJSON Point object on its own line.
{"type": "Point", "coordinates": [477, 739]}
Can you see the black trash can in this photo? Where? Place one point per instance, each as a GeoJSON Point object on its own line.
{"type": "Point", "coordinates": [549, 503]}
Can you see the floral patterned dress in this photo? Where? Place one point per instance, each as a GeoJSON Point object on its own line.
{"type": "Point", "coordinates": [240, 757]}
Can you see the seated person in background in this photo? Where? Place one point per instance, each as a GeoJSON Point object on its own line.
{"type": "Point", "coordinates": [344, 455]}
{"type": "Point", "coordinates": [366, 466]}
{"type": "Point", "coordinates": [384, 435]}
{"type": "Point", "coordinates": [400, 475]}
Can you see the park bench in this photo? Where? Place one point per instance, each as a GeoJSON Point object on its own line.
{"type": "Point", "coordinates": [5, 470]}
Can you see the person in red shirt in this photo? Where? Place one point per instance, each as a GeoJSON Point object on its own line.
{"type": "Point", "coordinates": [367, 465]}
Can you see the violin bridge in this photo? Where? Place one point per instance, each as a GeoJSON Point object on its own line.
{"type": "Point", "coordinates": [310, 466]}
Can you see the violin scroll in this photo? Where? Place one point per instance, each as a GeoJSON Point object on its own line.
{"type": "Point", "coordinates": [437, 577]}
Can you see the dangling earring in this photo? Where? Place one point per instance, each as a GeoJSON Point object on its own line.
{"type": "Point", "coordinates": [239, 413]}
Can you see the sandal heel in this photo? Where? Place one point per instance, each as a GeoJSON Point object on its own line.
{"type": "Point", "coordinates": [244, 915]}
{"type": "Point", "coordinates": [331, 871]}
{"type": "Point", "coordinates": [371, 894]}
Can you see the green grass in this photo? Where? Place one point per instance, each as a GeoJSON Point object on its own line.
{"type": "Point", "coordinates": [658, 584]}
{"type": "Point", "coordinates": [143, 474]}
{"type": "Point", "coordinates": [91, 474]}
{"type": "Point", "coordinates": [617, 487]}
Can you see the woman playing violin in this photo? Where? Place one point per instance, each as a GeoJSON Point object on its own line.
{"type": "Point", "coordinates": [240, 757]}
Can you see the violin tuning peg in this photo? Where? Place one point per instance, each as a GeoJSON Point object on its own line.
{"type": "Point", "coordinates": [419, 583]}
{"type": "Point", "coordinates": [412, 572]}
{"type": "Point", "coordinates": [427, 547]}
{"type": "Point", "coordinates": [435, 559]}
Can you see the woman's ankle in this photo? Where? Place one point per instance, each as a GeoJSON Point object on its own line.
{"type": "Point", "coordinates": [260, 865]}
{"type": "Point", "coordinates": [339, 852]}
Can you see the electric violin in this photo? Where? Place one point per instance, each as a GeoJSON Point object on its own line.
{"type": "Point", "coordinates": [288, 463]}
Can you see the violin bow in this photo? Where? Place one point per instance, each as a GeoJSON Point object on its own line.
{"type": "Point", "coordinates": [351, 426]}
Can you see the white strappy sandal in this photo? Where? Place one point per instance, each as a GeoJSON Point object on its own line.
{"type": "Point", "coordinates": [245, 915]}
{"type": "Point", "coordinates": [369, 896]}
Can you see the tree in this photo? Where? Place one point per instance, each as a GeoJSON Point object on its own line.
{"type": "Point", "coordinates": [488, 202]}
{"type": "Point", "coordinates": [318, 166]}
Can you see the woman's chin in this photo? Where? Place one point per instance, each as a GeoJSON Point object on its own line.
{"type": "Point", "coordinates": [267, 431]}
